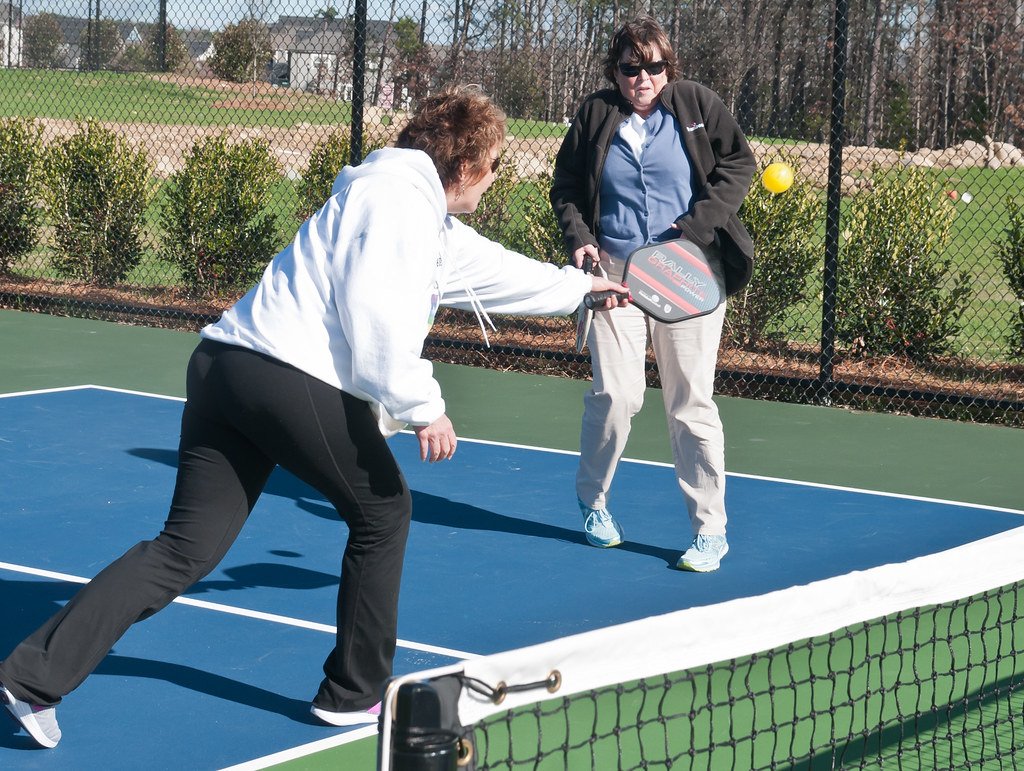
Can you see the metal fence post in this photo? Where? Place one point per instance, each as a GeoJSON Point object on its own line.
{"type": "Point", "coordinates": [832, 203]}
{"type": "Point", "coordinates": [358, 76]}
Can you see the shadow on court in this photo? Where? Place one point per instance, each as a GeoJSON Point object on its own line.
{"type": "Point", "coordinates": [269, 575]}
{"type": "Point", "coordinates": [209, 683]}
{"type": "Point", "coordinates": [427, 509]}
{"type": "Point", "coordinates": [28, 604]}
{"type": "Point", "coordinates": [197, 680]}
{"type": "Point", "coordinates": [25, 605]}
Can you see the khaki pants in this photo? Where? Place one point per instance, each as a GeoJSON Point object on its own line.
{"type": "Point", "coordinates": [686, 353]}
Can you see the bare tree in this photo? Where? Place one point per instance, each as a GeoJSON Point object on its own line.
{"type": "Point", "coordinates": [382, 59]}
{"type": "Point", "coordinates": [872, 84]}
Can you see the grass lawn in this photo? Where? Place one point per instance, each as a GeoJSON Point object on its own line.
{"type": "Point", "coordinates": [138, 97]}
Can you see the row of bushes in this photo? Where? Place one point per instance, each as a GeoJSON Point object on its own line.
{"type": "Point", "coordinates": [94, 191]}
{"type": "Point", "coordinates": [896, 292]}
{"type": "Point", "coordinates": [215, 218]}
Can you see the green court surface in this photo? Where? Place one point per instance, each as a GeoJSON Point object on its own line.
{"type": "Point", "coordinates": [896, 454]}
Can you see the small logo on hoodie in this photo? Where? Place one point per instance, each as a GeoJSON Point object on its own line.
{"type": "Point", "coordinates": [694, 126]}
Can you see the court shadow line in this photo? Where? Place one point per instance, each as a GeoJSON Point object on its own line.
{"type": "Point", "coordinates": [33, 602]}
{"type": "Point", "coordinates": [208, 683]}
{"type": "Point", "coordinates": [281, 483]}
{"type": "Point", "coordinates": [12, 737]}
{"type": "Point", "coordinates": [272, 575]}
{"type": "Point", "coordinates": [430, 509]}
{"type": "Point", "coordinates": [30, 603]}
{"type": "Point", "coordinates": [36, 601]}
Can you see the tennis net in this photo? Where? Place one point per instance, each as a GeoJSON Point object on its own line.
{"type": "Point", "coordinates": [917, 665]}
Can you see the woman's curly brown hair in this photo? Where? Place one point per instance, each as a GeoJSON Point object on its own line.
{"type": "Point", "coordinates": [457, 128]}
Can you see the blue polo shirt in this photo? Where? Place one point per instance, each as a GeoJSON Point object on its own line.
{"type": "Point", "coordinates": [642, 197]}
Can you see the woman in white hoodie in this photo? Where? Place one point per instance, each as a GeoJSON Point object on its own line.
{"type": "Point", "coordinates": [311, 370]}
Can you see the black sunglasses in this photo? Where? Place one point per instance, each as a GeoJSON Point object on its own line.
{"type": "Point", "coordinates": [651, 68]}
{"type": "Point", "coordinates": [495, 164]}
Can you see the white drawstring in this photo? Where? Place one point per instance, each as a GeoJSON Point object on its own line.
{"type": "Point", "coordinates": [478, 308]}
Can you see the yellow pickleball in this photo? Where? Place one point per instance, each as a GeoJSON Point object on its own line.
{"type": "Point", "coordinates": [777, 177]}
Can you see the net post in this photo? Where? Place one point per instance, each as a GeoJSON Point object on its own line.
{"type": "Point", "coordinates": [418, 741]}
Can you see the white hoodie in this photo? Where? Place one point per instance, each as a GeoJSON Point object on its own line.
{"type": "Point", "coordinates": [352, 298]}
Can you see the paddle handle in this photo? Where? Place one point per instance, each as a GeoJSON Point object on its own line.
{"type": "Point", "coordinates": [597, 299]}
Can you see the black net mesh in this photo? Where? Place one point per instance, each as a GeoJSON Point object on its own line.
{"type": "Point", "coordinates": [153, 157]}
{"type": "Point", "coordinates": [930, 688]}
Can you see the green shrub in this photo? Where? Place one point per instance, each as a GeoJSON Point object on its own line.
{"type": "Point", "coordinates": [218, 229]}
{"type": "Point", "coordinates": [21, 155]}
{"type": "Point", "coordinates": [43, 42]}
{"type": "Point", "coordinates": [896, 293]}
{"type": "Point", "coordinates": [96, 192]}
{"type": "Point", "coordinates": [241, 51]}
{"type": "Point", "coordinates": [1011, 254]}
{"type": "Point", "coordinates": [784, 227]}
{"type": "Point", "coordinates": [518, 215]}
{"type": "Point", "coordinates": [176, 53]}
{"type": "Point", "coordinates": [325, 161]}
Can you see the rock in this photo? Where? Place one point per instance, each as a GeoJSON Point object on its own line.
{"type": "Point", "coordinates": [971, 153]}
{"type": "Point", "coordinates": [1008, 154]}
{"type": "Point", "coordinates": [921, 159]}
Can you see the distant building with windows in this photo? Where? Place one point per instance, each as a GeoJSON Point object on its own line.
{"type": "Point", "coordinates": [315, 54]}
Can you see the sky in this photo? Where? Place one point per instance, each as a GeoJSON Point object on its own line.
{"type": "Point", "coordinates": [216, 14]}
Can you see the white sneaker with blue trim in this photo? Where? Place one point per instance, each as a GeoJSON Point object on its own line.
{"type": "Point", "coordinates": [705, 554]}
{"type": "Point", "coordinates": [600, 528]}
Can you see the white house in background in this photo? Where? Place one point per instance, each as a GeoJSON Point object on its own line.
{"type": "Point", "coordinates": [200, 49]}
{"type": "Point", "coordinates": [10, 36]}
{"type": "Point", "coordinates": [314, 54]}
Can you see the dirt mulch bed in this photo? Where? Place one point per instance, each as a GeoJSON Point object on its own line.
{"type": "Point", "coordinates": [137, 302]}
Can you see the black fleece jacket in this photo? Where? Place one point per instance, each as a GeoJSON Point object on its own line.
{"type": "Point", "coordinates": [723, 166]}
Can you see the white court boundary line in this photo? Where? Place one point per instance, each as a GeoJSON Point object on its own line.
{"type": "Point", "coordinates": [662, 464]}
{"type": "Point", "coordinates": [86, 387]}
{"type": "Point", "coordinates": [350, 736]}
{"type": "Point", "coordinates": [244, 612]}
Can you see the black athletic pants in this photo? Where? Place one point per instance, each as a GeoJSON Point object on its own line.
{"type": "Point", "coordinates": [245, 414]}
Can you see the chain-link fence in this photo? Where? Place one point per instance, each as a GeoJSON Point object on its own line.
{"type": "Point", "coordinates": [153, 156]}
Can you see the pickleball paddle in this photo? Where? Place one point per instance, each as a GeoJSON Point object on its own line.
{"type": "Point", "coordinates": [670, 281]}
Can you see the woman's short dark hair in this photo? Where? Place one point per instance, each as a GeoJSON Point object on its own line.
{"type": "Point", "coordinates": [457, 128]}
{"type": "Point", "coordinates": [642, 35]}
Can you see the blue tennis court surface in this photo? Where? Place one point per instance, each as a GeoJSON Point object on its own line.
{"type": "Point", "coordinates": [496, 560]}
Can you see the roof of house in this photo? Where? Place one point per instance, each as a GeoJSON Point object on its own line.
{"type": "Point", "coordinates": [304, 33]}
